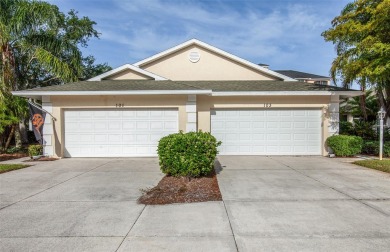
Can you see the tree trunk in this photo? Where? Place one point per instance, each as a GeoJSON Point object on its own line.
{"type": "Point", "coordinates": [363, 106]}
{"type": "Point", "coordinates": [18, 137]}
{"type": "Point", "coordinates": [11, 134]}
{"type": "Point", "coordinates": [23, 131]}
{"type": "Point", "coordinates": [384, 101]}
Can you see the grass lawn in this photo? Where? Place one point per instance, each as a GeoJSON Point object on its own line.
{"type": "Point", "coordinates": [381, 165]}
{"type": "Point", "coordinates": [10, 167]}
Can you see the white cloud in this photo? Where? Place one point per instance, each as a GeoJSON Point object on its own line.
{"type": "Point", "coordinates": [284, 34]}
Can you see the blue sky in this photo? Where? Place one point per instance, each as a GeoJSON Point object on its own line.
{"type": "Point", "coordinates": [285, 34]}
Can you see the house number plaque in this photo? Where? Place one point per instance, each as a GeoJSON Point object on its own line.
{"type": "Point", "coordinates": [120, 105]}
{"type": "Point", "coordinates": [267, 105]}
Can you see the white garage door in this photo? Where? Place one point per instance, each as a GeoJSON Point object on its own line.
{"type": "Point", "coordinates": [267, 132]}
{"type": "Point", "coordinates": [117, 133]}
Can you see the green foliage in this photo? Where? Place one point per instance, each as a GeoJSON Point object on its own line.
{"type": "Point", "coordinates": [90, 69]}
{"type": "Point", "coordinates": [372, 148]}
{"type": "Point", "coordinates": [354, 106]}
{"type": "Point", "coordinates": [6, 118]}
{"type": "Point", "coordinates": [11, 167]}
{"type": "Point", "coordinates": [39, 46]}
{"type": "Point", "coordinates": [380, 165]}
{"type": "Point", "coordinates": [365, 130]}
{"type": "Point", "coordinates": [35, 150]}
{"type": "Point", "coordinates": [361, 35]}
{"type": "Point", "coordinates": [345, 146]}
{"type": "Point", "coordinates": [187, 154]}
{"type": "Point", "coordinates": [15, 149]}
{"type": "Point", "coordinates": [346, 128]}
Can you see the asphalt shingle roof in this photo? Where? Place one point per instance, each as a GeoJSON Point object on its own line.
{"type": "Point", "coordinates": [236, 86]}
{"type": "Point", "coordinates": [215, 86]}
{"type": "Point", "coordinates": [300, 75]}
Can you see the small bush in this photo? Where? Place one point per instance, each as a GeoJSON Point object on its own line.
{"type": "Point", "coordinates": [35, 150]}
{"type": "Point", "coordinates": [345, 146]}
{"type": "Point", "coordinates": [187, 154]}
{"type": "Point", "coordinates": [346, 128]}
{"type": "Point", "coordinates": [14, 149]}
{"type": "Point", "coordinates": [372, 148]}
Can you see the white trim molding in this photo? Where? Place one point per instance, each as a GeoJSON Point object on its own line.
{"type": "Point", "coordinates": [334, 115]}
{"type": "Point", "coordinates": [48, 149]}
{"type": "Point", "coordinates": [217, 51]}
{"type": "Point", "coordinates": [191, 113]}
{"type": "Point", "coordinates": [125, 67]}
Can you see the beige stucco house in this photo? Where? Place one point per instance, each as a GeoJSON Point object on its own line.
{"type": "Point", "coordinates": [193, 86]}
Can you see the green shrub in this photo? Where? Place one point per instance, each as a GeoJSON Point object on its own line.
{"type": "Point", "coordinates": [187, 154]}
{"type": "Point", "coordinates": [346, 128]}
{"type": "Point", "coordinates": [345, 146]}
{"type": "Point", "coordinates": [15, 149]}
{"type": "Point", "coordinates": [35, 150]}
{"type": "Point", "coordinates": [372, 148]}
{"type": "Point", "coordinates": [365, 130]}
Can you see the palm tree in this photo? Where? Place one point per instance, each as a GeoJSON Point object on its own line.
{"type": "Point", "coordinates": [34, 37]}
{"type": "Point", "coordinates": [366, 111]}
{"type": "Point", "coordinates": [29, 34]}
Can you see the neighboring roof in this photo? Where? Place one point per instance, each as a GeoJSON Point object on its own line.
{"type": "Point", "coordinates": [300, 75]}
{"type": "Point", "coordinates": [125, 67]}
{"type": "Point", "coordinates": [227, 88]}
{"type": "Point", "coordinates": [215, 50]}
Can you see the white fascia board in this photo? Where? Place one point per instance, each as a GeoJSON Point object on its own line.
{"type": "Point", "coordinates": [124, 67]}
{"type": "Point", "coordinates": [327, 79]}
{"type": "Point", "coordinates": [289, 93]}
{"type": "Point", "coordinates": [134, 92]}
{"type": "Point", "coordinates": [218, 51]}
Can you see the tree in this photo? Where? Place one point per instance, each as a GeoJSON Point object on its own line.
{"type": "Point", "coordinates": [39, 46]}
{"type": "Point", "coordinates": [361, 35]}
{"type": "Point", "coordinates": [353, 106]}
{"type": "Point", "coordinates": [90, 69]}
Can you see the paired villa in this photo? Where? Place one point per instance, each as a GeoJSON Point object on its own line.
{"type": "Point", "coordinates": [193, 86]}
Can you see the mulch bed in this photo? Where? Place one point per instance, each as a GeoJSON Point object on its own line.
{"type": "Point", "coordinates": [41, 159]}
{"type": "Point", "coordinates": [5, 157]}
{"type": "Point", "coordinates": [182, 190]}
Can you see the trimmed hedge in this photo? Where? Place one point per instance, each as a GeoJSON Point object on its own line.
{"type": "Point", "coordinates": [35, 150]}
{"type": "Point", "coordinates": [345, 146]}
{"type": "Point", "coordinates": [187, 154]}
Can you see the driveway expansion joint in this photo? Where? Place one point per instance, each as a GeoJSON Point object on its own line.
{"type": "Point", "coordinates": [132, 226]}
{"type": "Point", "coordinates": [230, 225]}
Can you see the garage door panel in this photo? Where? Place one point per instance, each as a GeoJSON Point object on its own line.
{"type": "Point", "coordinates": [268, 132]}
{"type": "Point", "coordinates": [142, 114]}
{"type": "Point", "coordinates": [113, 133]}
{"type": "Point", "coordinates": [170, 125]}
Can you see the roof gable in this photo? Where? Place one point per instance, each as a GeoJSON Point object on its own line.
{"type": "Point", "coordinates": [128, 68]}
{"type": "Point", "coordinates": [218, 52]}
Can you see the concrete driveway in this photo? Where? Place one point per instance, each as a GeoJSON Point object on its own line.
{"type": "Point", "coordinates": [270, 204]}
{"type": "Point", "coordinates": [305, 204]}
